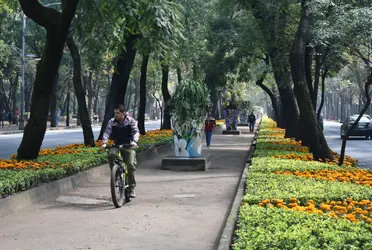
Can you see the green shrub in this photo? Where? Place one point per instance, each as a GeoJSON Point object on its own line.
{"type": "Point", "coordinates": [277, 228]}
{"type": "Point", "coordinates": [261, 228]}
{"type": "Point", "coordinates": [13, 181]}
{"type": "Point", "coordinates": [262, 186]}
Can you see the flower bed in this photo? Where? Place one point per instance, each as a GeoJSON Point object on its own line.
{"type": "Point", "coordinates": [16, 176]}
{"type": "Point", "coordinates": [294, 202]}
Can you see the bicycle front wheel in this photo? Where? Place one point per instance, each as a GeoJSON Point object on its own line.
{"type": "Point", "coordinates": [117, 186]}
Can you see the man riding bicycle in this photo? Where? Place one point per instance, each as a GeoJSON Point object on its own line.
{"type": "Point", "coordinates": [123, 130]}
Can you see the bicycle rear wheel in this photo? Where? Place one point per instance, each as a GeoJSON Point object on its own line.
{"type": "Point", "coordinates": [117, 186]}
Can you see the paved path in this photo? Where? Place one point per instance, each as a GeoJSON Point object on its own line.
{"type": "Point", "coordinates": [159, 218]}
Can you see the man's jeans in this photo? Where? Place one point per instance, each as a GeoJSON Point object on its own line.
{"type": "Point", "coordinates": [208, 137]}
{"type": "Point", "coordinates": [129, 158]}
{"type": "Point", "coordinates": [251, 126]}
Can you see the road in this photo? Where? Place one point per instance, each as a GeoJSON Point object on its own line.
{"type": "Point", "coordinates": [9, 143]}
{"type": "Point", "coordinates": [356, 147]}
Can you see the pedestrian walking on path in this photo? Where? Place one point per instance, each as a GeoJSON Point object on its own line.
{"type": "Point", "coordinates": [209, 127]}
{"type": "Point", "coordinates": [252, 121]}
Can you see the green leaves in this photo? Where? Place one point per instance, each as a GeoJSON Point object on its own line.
{"type": "Point", "coordinates": [189, 100]}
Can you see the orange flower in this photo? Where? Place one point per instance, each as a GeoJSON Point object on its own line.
{"type": "Point", "coordinates": [356, 176]}
{"type": "Point", "coordinates": [355, 211]}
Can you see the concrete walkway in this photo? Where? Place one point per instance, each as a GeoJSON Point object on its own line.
{"type": "Point", "coordinates": [173, 210]}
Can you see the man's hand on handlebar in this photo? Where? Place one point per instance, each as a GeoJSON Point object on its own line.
{"type": "Point", "coordinates": [103, 147]}
{"type": "Point", "coordinates": [133, 144]}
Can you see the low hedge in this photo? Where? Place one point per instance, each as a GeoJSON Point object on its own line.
{"type": "Point", "coordinates": [261, 186]}
{"type": "Point", "coordinates": [275, 228]}
{"type": "Point", "coordinates": [289, 204]}
{"type": "Point", "coordinates": [17, 176]}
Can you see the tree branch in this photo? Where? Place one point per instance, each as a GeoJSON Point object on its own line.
{"type": "Point", "coordinates": [365, 60]}
{"type": "Point", "coordinates": [38, 13]}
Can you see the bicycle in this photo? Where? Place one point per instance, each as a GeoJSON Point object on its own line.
{"type": "Point", "coordinates": [119, 179]}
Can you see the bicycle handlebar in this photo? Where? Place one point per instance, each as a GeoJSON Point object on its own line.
{"type": "Point", "coordinates": [126, 145]}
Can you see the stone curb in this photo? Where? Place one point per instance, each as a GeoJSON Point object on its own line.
{"type": "Point", "coordinates": [229, 229]}
{"type": "Point", "coordinates": [22, 200]}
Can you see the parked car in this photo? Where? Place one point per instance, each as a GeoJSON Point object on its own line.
{"type": "Point", "coordinates": [364, 127]}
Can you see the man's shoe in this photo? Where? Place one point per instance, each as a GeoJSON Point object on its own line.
{"type": "Point", "coordinates": [132, 194]}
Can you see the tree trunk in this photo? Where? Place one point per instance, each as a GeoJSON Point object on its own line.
{"type": "Point", "coordinates": [90, 107]}
{"type": "Point", "coordinates": [288, 109]}
{"type": "Point", "coordinates": [136, 94]}
{"type": "Point", "coordinates": [14, 97]}
{"type": "Point", "coordinates": [179, 75]}
{"type": "Point", "coordinates": [318, 65]}
{"type": "Point", "coordinates": [28, 89]}
{"type": "Point", "coordinates": [273, 28]}
{"type": "Point", "coordinates": [53, 103]}
{"type": "Point", "coordinates": [324, 75]}
{"type": "Point", "coordinates": [308, 69]}
{"type": "Point", "coordinates": [74, 106]}
{"type": "Point", "coordinates": [366, 105]}
{"type": "Point", "coordinates": [57, 25]}
{"type": "Point", "coordinates": [142, 104]}
{"type": "Point", "coordinates": [166, 96]}
{"type": "Point", "coordinates": [4, 100]}
{"type": "Point", "coordinates": [88, 86]}
{"type": "Point", "coordinates": [108, 91]}
{"type": "Point", "coordinates": [96, 98]}
{"type": "Point", "coordinates": [92, 86]}
{"type": "Point", "coordinates": [68, 110]}
{"type": "Point", "coordinates": [78, 119]}
{"type": "Point", "coordinates": [130, 93]}
{"type": "Point", "coordinates": [161, 110]}
{"type": "Point", "coordinates": [310, 127]}
{"type": "Point", "coordinates": [67, 107]}
{"type": "Point", "coordinates": [274, 102]}
{"type": "Point", "coordinates": [215, 109]}
{"type": "Point", "coordinates": [79, 91]}
{"type": "Point", "coordinates": [119, 80]}
{"type": "Point", "coordinates": [63, 107]}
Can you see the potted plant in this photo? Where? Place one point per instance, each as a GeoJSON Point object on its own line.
{"type": "Point", "coordinates": [188, 109]}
